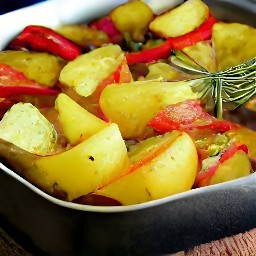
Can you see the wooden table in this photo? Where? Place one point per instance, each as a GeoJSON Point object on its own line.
{"type": "Point", "coordinates": [8, 247]}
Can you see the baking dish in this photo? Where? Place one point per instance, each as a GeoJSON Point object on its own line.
{"type": "Point", "coordinates": [47, 226]}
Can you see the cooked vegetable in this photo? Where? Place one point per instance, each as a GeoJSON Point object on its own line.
{"type": "Point", "coordinates": [106, 25]}
{"type": "Point", "coordinates": [138, 102]}
{"type": "Point", "coordinates": [187, 115]}
{"type": "Point", "coordinates": [234, 44]}
{"type": "Point", "coordinates": [180, 20]}
{"type": "Point", "coordinates": [87, 166]}
{"type": "Point", "coordinates": [160, 170]}
{"type": "Point", "coordinates": [39, 66]}
{"type": "Point", "coordinates": [132, 18]}
{"type": "Point", "coordinates": [77, 123]}
{"type": "Point", "coordinates": [203, 54]}
{"type": "Point", "coordinates": [162, 71]}
{"type": "Point", "coordinates": [87, 71]}
{"type": "Point", "coordinates": [5, 104]}
{"type": "Point", "coordinates": [149, 55]}
{"type": "Point", "coordinates": [84, 36]}
{"type": "Point", "coordinates": [24, 126]}
{"type": "Point", "coordinates": [44, 39]}
{"type": "Point", "coordinates": [204, 32]}
{"type": "Point", "coordinates": [13, 83]}
{"type": "Point", "coordinates": [233, 164]}
{"type": "Point", "coordinates": [246, 136]}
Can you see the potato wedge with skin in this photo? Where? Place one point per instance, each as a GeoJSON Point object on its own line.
{"type": "Point", "coordinates": [77, 123]}
{"type": "Point", "coordinates": [171, 170]}
{"type": "Point", "coordinates": [39, 66]}
{"type": "Point", "coordinates": [132, 18]}
{"type": "Point", "coordinates": [234, 44]}
{"type": "Point", "coordinates": [138, 103]}
{"type": "Point", "coordinates": [87, 166]}
{"type": "Point", "coordinates": [180, 20]}
{"type": "Point", "coordinates": [87, 71]}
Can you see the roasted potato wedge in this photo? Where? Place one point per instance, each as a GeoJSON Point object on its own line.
{"type": "Point", "coordinates": [138, 102]}
{"type": "Point", "coordinates": [39, 66]}
{"type": "Point", "coordinates": [132, 18]}
{"type": "Point", "coordinates": [180, 20]}
{"type": "Point", "coordinates": [87, 71]}
{"type": "Point", "coordinates": [87, 166]}
{"type": "Point", "coordinates": [77, 123]}
{"type": "Point", "coordinates": [169, 167]}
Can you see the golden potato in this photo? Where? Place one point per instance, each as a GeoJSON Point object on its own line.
{"type": "Point", "coordinates": [132, 18]}
{"type": "Point", "coordinates": [39, 66]}
{"type": "Point", "coordinates": [234, 44]}
{"type": "Point", "coordinates": [162, 71]}
{"type": "Point", "coordinates": [245, 136]}
{"type": "Point", "coordinates": [235, 167]}
{"type": "Point", "coordinates": [203, 54]}
{"type": "Point", "coordinates": [138, 102]}
{"type": "Point", "coordinates": [87, 166]}
{"type": "Point", "coordinates": [180, 20]}
{"type": "Point", "coordinates": [77, 123]}
{"type": "Point", "coordinates": [88, 70]}
{"type": "Point", "coordinates": [84, 35]}
{"type": "Point", "coordinates": [169, 168]}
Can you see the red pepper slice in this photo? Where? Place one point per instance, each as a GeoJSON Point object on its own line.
{"type": "Point", "coordinates": [44, 39]}
{"type": "Point", "coordinates": [203, 177]}
{"type": "Point", "coordinates": [149, 55]}
{"type": "Point", "coordinates": [106, 25]}
{"type": "Point", "coordinates": [14, 82]}
{"type": "Point", "coordinates": [179, 115]}
{"type": "Point", "coordinates": [217, 125]}
{"type": "Point", "coordinates": [5, 104]}
{"type": "Point", "coordinates": [204, 32]}
{"type": "Point", "coordinates": [188, 115]}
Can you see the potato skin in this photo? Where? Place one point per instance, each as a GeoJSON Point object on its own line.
{"type": "Point", "coordinates": [87, 166]}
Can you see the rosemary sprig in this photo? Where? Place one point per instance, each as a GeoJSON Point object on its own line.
{"type": "Point", "coordinates": [223, 90]}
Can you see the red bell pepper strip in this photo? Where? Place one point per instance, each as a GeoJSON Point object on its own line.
{"type": "Point", "coordinates": [98, 200]}
{"type": "Point", "coordinates": [187, 115]}
{"type": "Point", "coordinates": [121, 75]}
{"type": "Point", "coordinates": [14, 82]}
{"type": "Point", "coordinates": [38, 38]}
{"type": "Point", "coordinates": [5, 104]}
{"type": "Point", "coordinates": [202, 178]}
{"type": "Point", "coordinates": [149, 55]}
{"type": "Point", "coordinates": [204, 32]}
{"type": "Point", "coordinates": [106, 25]}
